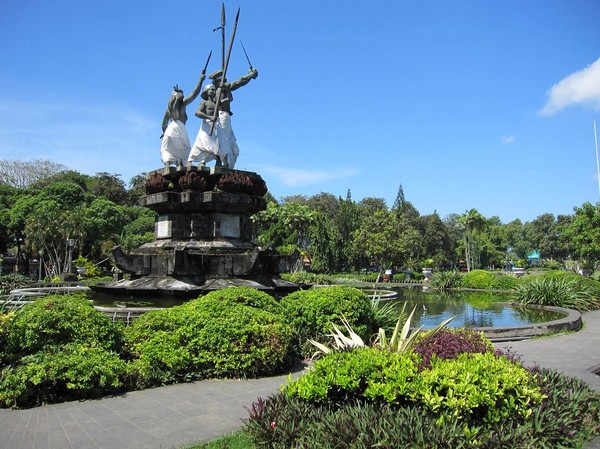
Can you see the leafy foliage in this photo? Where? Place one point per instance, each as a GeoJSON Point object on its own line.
{"type": "Point", "coordinates": [59, 348]}
{"type": "Point", "coordinates": [75, 371]}
{"type": "Point", "coordinates": [568, 416]}
{"type": "Point", "coordinates": [13, 281]}
{"type": "Point", "coordinates": [247, 296]}
{"type": "Point", "coordinates": [443, 280]}
{"type": "Point", "coordinates": [479, 387]}
{"type": "Point", "coordinates": [311, 312]}
{"type": "Point", "coordinates": [307, 277]}
{"type": "Point", "coordinates": [478, 279]}
{"type": "Point", "coordinates": [449, 343]}
{"type": "Point", "coordinates": [504, 282]}
{"type": "Point", "coordinates": [557, 291]}
{"type": "Point", "coordinates": [207, 337]}
{"type": "Point", "coordinates": [54, 321]}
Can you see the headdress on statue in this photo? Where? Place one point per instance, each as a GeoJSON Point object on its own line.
{"type": "Point", "coordinates": [204, 94]}
{"type": "Point", "coordinates": [176, 98]}
{"type": "Point", "coordinates": [216, 75]}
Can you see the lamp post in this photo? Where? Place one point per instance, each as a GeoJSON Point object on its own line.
{"type": "Point", "coordinates": [70, 246]}
{"type": "Point", "coordinates": [41, 263]}
{"type": "Point", "coordinates": [18, 242]}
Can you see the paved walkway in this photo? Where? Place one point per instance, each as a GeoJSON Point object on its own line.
{"type": "Point", "coordinates": [179, 415]}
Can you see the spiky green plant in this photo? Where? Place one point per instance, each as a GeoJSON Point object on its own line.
{"type": "Point", "coordinates": [443, 280]}
{"type": "Point", "coordinates": [402, 339]}
{"type": "Point", "coordinates": [557, 291]}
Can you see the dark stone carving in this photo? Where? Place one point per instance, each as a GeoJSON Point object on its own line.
{"type": "Point", "coordinates": [203, 237]}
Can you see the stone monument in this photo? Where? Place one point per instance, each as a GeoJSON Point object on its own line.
{"type": "Point", "coordinates": [203, 228]}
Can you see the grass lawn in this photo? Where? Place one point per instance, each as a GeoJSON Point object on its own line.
{"type": "Point", "coordinates": [239, 440]}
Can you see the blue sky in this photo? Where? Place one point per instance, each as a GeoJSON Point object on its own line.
{"type": "Point", "coordinates": [468, 104]}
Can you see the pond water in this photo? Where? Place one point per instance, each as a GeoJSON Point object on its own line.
{"type": "Point", "coordinates": [469, 309]}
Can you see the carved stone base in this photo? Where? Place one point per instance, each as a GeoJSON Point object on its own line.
{"type": "Point", "coordinates": [203, 237]}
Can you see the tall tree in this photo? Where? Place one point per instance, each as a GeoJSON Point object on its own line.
{"type": "Point", "coordinates": [584, 234]}
{"type": "Point", "coordinates": [22, 174]}
{"type": "Point", "coordinates": [472, 221]}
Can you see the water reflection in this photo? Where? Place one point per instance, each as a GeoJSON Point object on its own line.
{"type": "Point", "coordinates": [470, 309]}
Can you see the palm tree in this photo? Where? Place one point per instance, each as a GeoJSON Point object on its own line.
{"type": "Point", "coordinates": [471, 220]}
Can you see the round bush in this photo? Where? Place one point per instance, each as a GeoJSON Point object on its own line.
{"type": "Point", "coordinates": [55, 321]}
{"type": "Point", "coordinates": [247, 296]}
{"type": "Point", "coordinates": [504, 282]}
{"type": "Point", "coordinates": [312, 312]}
{"type": "Point", "coordinates": [478, 279]}
{"type": "Point", "coordinates": [207, 337]}
{"type": "Point", "coordinates": [74, 371]}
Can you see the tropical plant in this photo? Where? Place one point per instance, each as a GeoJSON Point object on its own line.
{"type": "Point", "coordinates": [449, 343]}
{"type": "Point", "coordinates": [443, 280]}
{"type": "Point", "coordinates": [402, 338]}
{"type": "Point", "coordinates": [557, 291]}
{"type": "Point", "coordinates": [13, 281]}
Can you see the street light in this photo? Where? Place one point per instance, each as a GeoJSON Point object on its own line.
{"type": "Point", "coordinates": [18, 242]}
{"type": "Point", "coordinates": [70, 246]}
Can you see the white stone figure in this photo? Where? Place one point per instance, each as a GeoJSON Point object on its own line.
{"type": "Point", "coordinates": [175, 145]}
{"type": "Point", "coordinates": [221, 144]}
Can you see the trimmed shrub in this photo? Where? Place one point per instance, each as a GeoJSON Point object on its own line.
{"type": "Point", "coordinates": [283, 422]}
{"type": "Point", "coordinates": [567, 417]}
{"type": "Point", "coordinates": [477, 387]}
{"type": "Point", "coordinates": [74, 371]}
{"type": "Point", "coordinates": [54, 321]}
{"type": "Point", "coordinates": [5, 319]}
{"type": "Point", "coordinates": [207, 337]}
{"type": "Point", "coordinates": [478, 279]}
{"type": "Point", "coordinates": [247, 296]}
{"type": "Point", "coordinates": [311, 313]}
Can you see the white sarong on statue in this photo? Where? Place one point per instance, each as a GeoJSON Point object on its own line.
{"type": "Point", "coordinates": [175, 144]}
{"type": "Point", "coordinates": [221, 143]}
{"type": "Point", "coordinates": [206, 147]}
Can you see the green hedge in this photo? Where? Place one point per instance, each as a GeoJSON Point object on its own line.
{"type": "Point", "coordinates": [478, 279]}
{"type": "Point", "coordinates": [207, 337]}
{"type": "Point", "coordinates": [74, 371]}
{"type": "Point", "coordinates": [311, 312]}
{"type": "Point", "coordinates": [54, 321]}
{"type": "Point", "coordinates": [60, 348]}
{"type": "Point", "coordinates": [479, 387]}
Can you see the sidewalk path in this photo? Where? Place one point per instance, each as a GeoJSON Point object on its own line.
{"type": "Point", "coordinates": [179, 415]}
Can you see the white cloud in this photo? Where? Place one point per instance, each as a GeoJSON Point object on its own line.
{"type": "Point", "coordinates": [508, 140]}
{"type": "Point", "coordinates": [582, 87]}
{"type": "Point", "coordinates": [112, 138]}
{"type": "Point", "coordinates": [294, 177]}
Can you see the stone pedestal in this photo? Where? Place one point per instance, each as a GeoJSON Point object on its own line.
{"type": "Point", "coordinates": [203, 237]}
